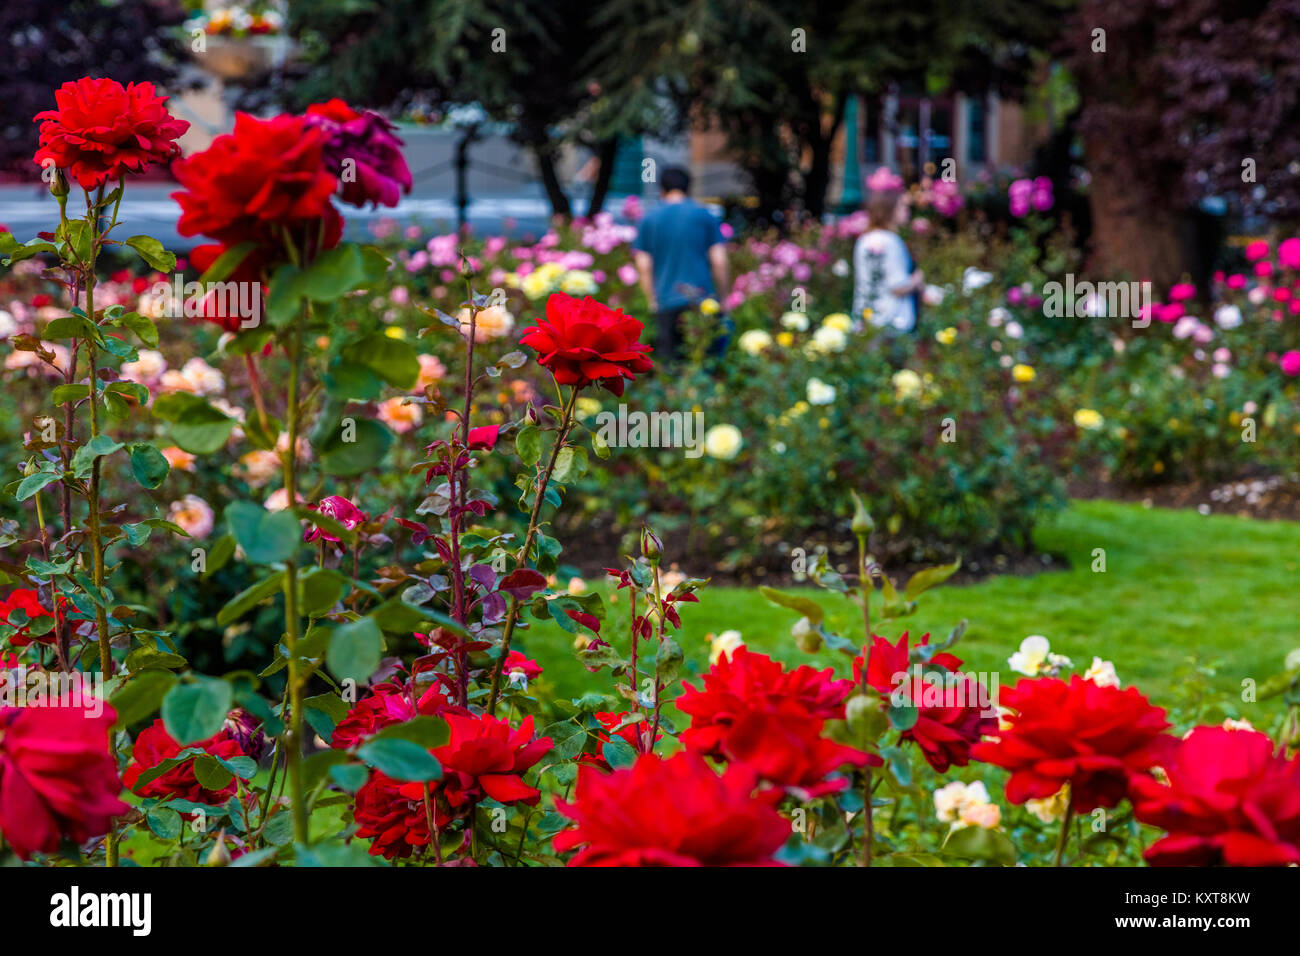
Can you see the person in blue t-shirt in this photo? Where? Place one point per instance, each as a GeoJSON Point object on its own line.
{"type": "Point", "coordinates": [681, 256]}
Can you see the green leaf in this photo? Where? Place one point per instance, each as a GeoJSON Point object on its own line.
{"type": "Point", "coordinates": [164, 822]}
{"type": "Point", "coordinates": [72, 327]}
{"type": "Point", "coordinates": [142, 326]}
{"type": "Point", "coordinates": [34, 483]}
{"type": "Point", "coordinates": [227, 262]}
{"type": "Point", "coordinates": [355, 649]}
{"type": "Point", "coordinates": [148, 464]}
{"type": "Point", "coordinates": [153, 253]}
{"type": "Point", "coordinates": [319, 589]}
{"type": "Point", "coordinates": [401, 760]}
{"type": "Point", "coordinates": [97, 447]}
{"type": "Point", "coordinates": [805, 606]}
{"type": "Point", "coordinates": [618, 753]}
{"type": "Point", "coordinates": [141, 696]}
{"type": "Point", "coordinates": [196, 711]}
{"type": "Point", "coordinates": [977, 843]}
{"type": "Point", "coordinates": [250, 597]}
{"type": "Point", "coordinates": [265, 536]}
{"type": "Point", "coordinates": [197, 427]}
{"type": "Point", "coordinates": [393, 360]}
{"type": "Point", "coordinates": [528, 444]}
{"type": "Point", "coordinates": [370, 442]}
{"type": "Point", "coordinates": [924, 580]}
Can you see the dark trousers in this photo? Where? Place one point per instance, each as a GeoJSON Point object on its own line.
{"type": "Point", "coordinates": [668, 335]}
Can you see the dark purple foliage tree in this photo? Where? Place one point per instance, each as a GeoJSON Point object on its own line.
{"type": "Point", "coordinates": [1188, 99]}
{"type": "Point", "coordinates": [44, 43]}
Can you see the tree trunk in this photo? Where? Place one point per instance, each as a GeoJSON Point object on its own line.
{"type": "Point", "coordinates": [544, 153]}
{"type": "Point", "coordinates": [817, 180]}
{"type": "Point", "coordinates": [1133, 235]}
{"type": "Point", "coordinates": [605, 152]}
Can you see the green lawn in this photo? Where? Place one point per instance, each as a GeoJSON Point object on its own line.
{"type": "Point", "coordinates": [1176, 584]}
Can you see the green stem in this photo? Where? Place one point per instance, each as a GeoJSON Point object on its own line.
{"type": "Point", "coordinates": [1065, 831]}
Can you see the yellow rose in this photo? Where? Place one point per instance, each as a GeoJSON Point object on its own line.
{"type": "Point", "coordinates": [1023, 373]}
{"type": "Point", "coordinates": [837, 320]}
{"type": "Point", "coordinates": [710, 307]}
{"type": "Point", "coordinates": [1088, 419]}
{"type": "Point", "coordinates": [395, 332]}
{"type": "Point", "coordinates": [785, 339]}
{"type": "Point", "coordinates": [723, 442]}
{"type": "Point", "coordinates": [946, 336]}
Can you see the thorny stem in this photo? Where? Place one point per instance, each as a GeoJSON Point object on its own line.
{"type": "Point", "coordinates": [659, 604]}
{"type": "Point", "coordinates": [293, 729]}
{"type": "Point", "coordinates": [521, 559]}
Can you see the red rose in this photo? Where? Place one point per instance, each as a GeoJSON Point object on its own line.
{"type": "Point", "coordinates": [102, 131]}
{"type": "Point", "coordinates": [635, 735]}
{"type": "Point", "coordinates": [341, 510]}
{"type": "Point", "coordinates": [1092, 737]}
{"type": "Point", "coordinates": [27, 601]}
{"type": "Point", "coordinates": [363, 153]}
{"type": "Point", "coordinates": [786, 749]}
{"type": "Point", "coordinates": [526, 668]}
{"type": "Point", "coordinates": [887, 661]}
{"type": "Point", "coordinates": [58, 777]}
{"type": "Point", "coordinates": [388, 704]}
{"type": "Point", "coordinates": [488, 757]}
{"type": "Point", "coordinates": [154, 745]}
{"type": "Point", "coordinates": [266, 177]}
{"type": "Point", "coordinates": [584, 342]}
{"type": "Point", "coordinates": [219, 305]}
{"type": "Point", "coordinates": [946, 727]}
{"type": "Point", "coordinates": [392, 814]}
{"type": "Point", "coordinates": [743, 682]}
{"type": "Point", "coordinates": [673, 812]}
{"type": "Point", "coordinates": [1230, 799]}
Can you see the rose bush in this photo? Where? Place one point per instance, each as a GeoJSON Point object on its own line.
{"type": "Point", "coordinates": [305, 563]}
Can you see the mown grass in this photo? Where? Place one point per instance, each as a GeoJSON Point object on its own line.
{"type": "Point", "coordinates": [1178, 585]}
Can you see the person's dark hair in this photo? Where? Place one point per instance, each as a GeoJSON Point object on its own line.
{"type": "Point", "coordinates": [675, 178]}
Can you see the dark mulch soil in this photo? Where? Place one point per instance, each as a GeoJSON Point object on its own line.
{"type": "Point", "coordinates": [1253, 495]}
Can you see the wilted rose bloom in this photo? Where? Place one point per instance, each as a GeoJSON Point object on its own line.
{"type": "Point", "coordinates": [247, 732]}
{"type": "Point", "coordinates": [363, 152]}
{"type": "Point", "coordinates": [673, 812]}
{"type": "Point", "coordinates": [341, 510]}
{"type": "Point", "coordinates": [58, 778]}
{"type": "Point", "coordinates": [398, 415]}
{"type": "Point", "coordinates": [101, 130]}
{"type": "Point", "coordinates": [193, 515]}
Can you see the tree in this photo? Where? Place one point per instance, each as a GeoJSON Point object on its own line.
{"type": "Point", "coordinates": [44, 44]}
{"type": "Point", "coordinates": [1181, 102]}
{"type": "Point", "coordinates": [530, 65]}
{"type": "Point", "coordinates": [774, 75]}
